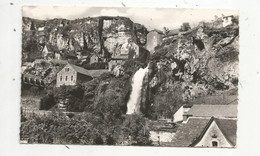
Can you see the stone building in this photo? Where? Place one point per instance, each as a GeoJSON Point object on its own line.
{"type": "Point", "coordinates": [71, 75]}
{"type": "Point", "coordinates": [154, 38]}
{"type": "Point", "coordinates": [161, 132]}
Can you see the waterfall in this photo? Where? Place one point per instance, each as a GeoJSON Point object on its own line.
{"type": "Point", "coordinates": [133, 105]}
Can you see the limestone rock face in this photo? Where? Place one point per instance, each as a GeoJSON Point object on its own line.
{"type": "Point", "coordinates": [118, 71]}
{"type": "Point", "coordinates": [121, 37]}
{"type": "Point", "coordinates": [204, 60]}
{"type": "Point", "coordinates": [106, 36]}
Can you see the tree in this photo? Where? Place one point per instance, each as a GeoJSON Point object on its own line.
{"type": "Point", "coordinates": [166, 30]}
{"type": "Point", "coordinates": [185, 27]}
{"type": "Point", "coordinates": [73, 95]}
{"type": "Point", "coordinates": [47, 102]}
{"type": "Point", "coordinates": [135, 129]}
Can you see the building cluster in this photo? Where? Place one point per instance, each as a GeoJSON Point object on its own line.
{"type": "Point", "coordinates": [199, 125]}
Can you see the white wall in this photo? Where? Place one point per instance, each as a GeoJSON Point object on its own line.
{"type": "Point", "coordinates": [163, 136]}
{"type": "Point", "coordinates": [178, 116]}
{"type": "Point", "coordinates": [207, 139]}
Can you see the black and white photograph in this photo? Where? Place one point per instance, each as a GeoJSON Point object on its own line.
{"type": "Point", "coordinates": [126, 76]}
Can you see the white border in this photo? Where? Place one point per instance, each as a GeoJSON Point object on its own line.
{"type": "Point", "coordinates": [249, 97]}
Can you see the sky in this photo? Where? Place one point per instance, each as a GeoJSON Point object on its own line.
{"type": "Point", "coordinates": [152, 18]}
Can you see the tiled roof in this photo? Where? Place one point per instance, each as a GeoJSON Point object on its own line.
{"type": "Point", "coordinates": [56, 61]}
{"type": "Point", "coordinates": [216, 99]}
{"type": "Point", "coordinates": [97, 73]}
{"type": "Point", "coordinates": [158, 31]}
{"type": "Point", "coordinates": [229, 128]}
{"type": "Point", "coordinates": [213, 110]}
{"type": "Point", "coordinates": [80, 70]}
{"type": "Point", "coordinates": [189, 132]}
{"type": "Point", "coordinates": [92, 73]}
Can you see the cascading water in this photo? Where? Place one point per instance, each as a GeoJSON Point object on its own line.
{"type": "Point", "coordinates": [133, 105]}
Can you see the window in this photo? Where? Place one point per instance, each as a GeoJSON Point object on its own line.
{"type": "Point", "coordinates": [67, 69]}
{"type": "Point", "coordinates": [60, 78]}
{"type": "Point", "coordinates": [71, 78]}
{"type": "Point", "coordinates": [66, 79]}
{"type": "Point", "coordinates": [214, 144]}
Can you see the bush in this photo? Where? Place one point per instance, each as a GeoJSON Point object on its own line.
{"type": "Point", "coordinates": [185, 27]}
{"type": "Point", "coordinates": [47, 102]}
{"type": "Point", "coordinates": [96, 65]}
{"type": "Point", "coordinates": [135, 127]}
{"type": "Point", "coordinates": [73, 95]}
{"type": "Point", "coordinates": [28, 90]}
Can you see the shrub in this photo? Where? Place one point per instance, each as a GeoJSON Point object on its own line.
{"type": "Point", "coordinates": [47, 102]}
{"type": "Point", "coordinates": [185, 27]}
{"type": "Point", "coordinates": [96, 65]}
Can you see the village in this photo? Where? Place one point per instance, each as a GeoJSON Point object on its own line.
{"type": "Point", "coordinates": [191, 125]}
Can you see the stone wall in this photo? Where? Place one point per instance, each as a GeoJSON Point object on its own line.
{"type": "Point", "coordinates": [161, 136]}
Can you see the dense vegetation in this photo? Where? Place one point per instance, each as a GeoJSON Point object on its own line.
{"type": "Point", "coordinates": [85, 128]}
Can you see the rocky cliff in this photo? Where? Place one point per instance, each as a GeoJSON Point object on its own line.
{"type": "Point", "coordinates": [195, 64]}
{"type": "Point", "coordinates": [105, 36]}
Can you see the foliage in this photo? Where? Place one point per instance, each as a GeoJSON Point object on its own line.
{"type": "Point", "coordinates": [131, 66]}
{"type": "Point", "coordinates": [31, 47]}
{"type": "Point", "coordinates": [73, 95]}
{"type": "Point", "coordinates": [28, 90]}
{"type": "Point", "coordinates": [185, 27]}
{"type": "Point", "coordinates": [47, 102]}
{"type": "Point", "coordinates": [166, 103]}
{"type": "Point", "coordinates": [166, 30]}
{"type": "Point", "coordinates": [57, 128]}
{"type": "Point", "coordinates": [135, 129]}
{"type": "Point", "coordinates": [96, 65]}
{"type": "Point", "coordinates": [66, 30]}
{"type": "Point", "coordinates": [85, 128]}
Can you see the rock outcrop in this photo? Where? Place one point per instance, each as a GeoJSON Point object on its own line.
{"type": "Point", "coordinates": [105, 36]}
{"type": "Point", "coordinates": [204, 59]}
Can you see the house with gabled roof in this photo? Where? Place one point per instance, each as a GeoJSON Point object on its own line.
{"type": "Point", "coordinates": [71, 75]}
{"type": "Point", "coordinates": [206, 132]}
